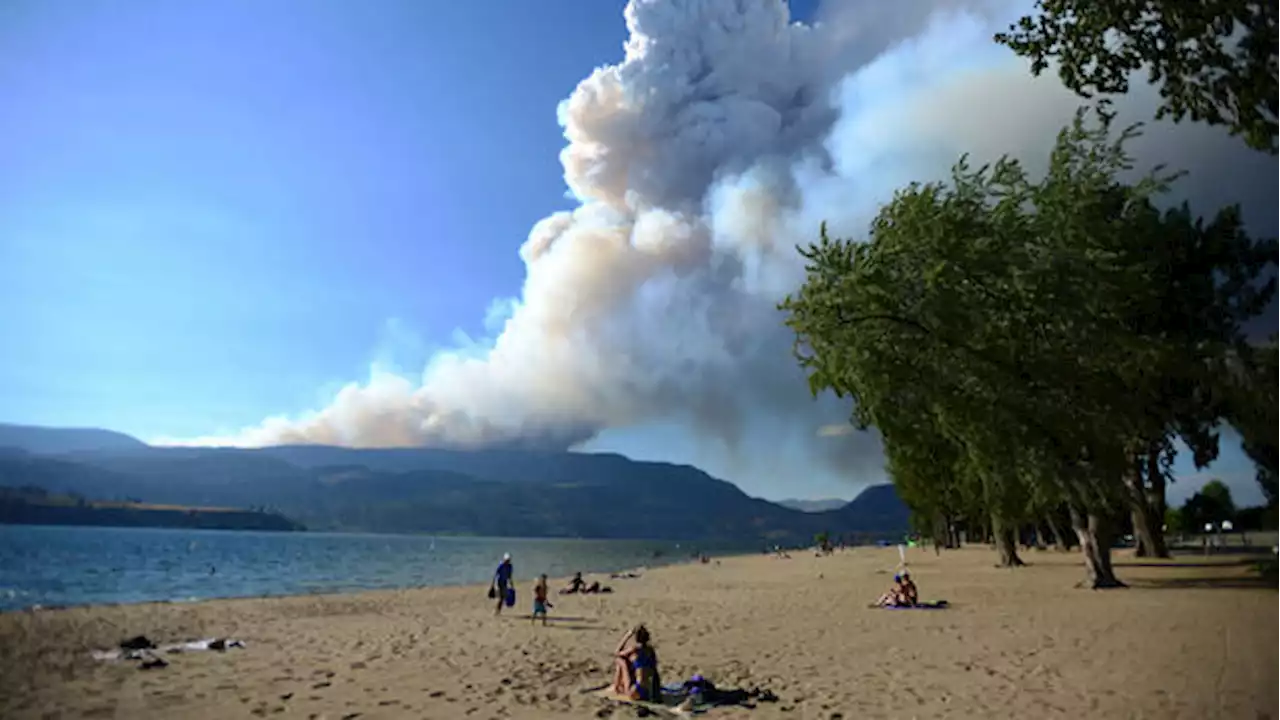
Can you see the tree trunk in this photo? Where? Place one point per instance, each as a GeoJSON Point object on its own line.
{"type": "Point", "coordinates": [1040, 543]}
{"type": "Point", "coordinates": [1095, 534]}
{"type": "Point", "coordinates": [1059, 540]}
{"type": "Point", "coordinates": [1006, 540]}
{"type": "Point", "coordinates": [1141, 545]}
{"type": "Point", "coordinates": [941, 531]}
{"type": "Point", "coordinates": [1147, 526]}
{"type": "Point", "coordinates": [1156, 492]}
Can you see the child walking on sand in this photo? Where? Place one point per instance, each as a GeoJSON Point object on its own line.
{"type": "Point", "coordinates": [540, 602]}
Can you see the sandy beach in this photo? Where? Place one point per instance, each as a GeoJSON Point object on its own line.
{"type": "Point", "coordinates": [1193, 638]}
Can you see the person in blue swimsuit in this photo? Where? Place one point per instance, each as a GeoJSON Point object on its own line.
{"type": "Point", "coordinates": [635, 672]}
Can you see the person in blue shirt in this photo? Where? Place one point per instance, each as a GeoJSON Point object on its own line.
{"type": "Point", "coordinates": [502, 581]}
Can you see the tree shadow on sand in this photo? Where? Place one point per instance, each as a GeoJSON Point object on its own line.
{"type": "Point", "coordinates": [1205, 583]}
{"type": "Point", "coordinates": [1176, 564]}
{"type": "Point", "coordinates": [1256, 571]}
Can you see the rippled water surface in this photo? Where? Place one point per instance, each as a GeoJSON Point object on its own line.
{"type": "Point", "coordinates": [53, 566]}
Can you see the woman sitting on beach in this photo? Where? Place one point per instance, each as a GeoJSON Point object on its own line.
{"type": "Point", "coordinates": [635, 667]}
{"type": "Point", "coordinates": [896, 595]}
{"type": "Point", "coordinates": [910, 593]}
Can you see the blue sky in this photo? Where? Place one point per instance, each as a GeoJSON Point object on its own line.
{"type": "Point", "coordinates": [211, 211]}
{"type": "Point", "coordinates": [215, 212]}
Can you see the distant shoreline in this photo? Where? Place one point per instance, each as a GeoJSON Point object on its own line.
{"type": "Point", "coordinates": [62, 512]}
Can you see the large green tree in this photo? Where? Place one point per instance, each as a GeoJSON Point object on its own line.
{"type": "Point", "coordinates": [1208, 280]}
{"type": "Point", "coordinates": [1212, 505]}
{"type": "Point", "coordinates": [1252, 398]}
{"type": "Point", "coordinates": [1003, 318]}
{"type": "Point", "coordinates": [1213, 61]}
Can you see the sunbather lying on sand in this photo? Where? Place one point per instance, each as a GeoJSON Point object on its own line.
{"type": "Point", "coordinates": [579, 586]}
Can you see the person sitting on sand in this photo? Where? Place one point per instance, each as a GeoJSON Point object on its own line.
{"type": "Point", "coordinates": [540, 602]}
{"type": "Point", "coordinates": [576, 585]}
{"type": "Point", "coordinates": [895, 596]}
{"type": "Point", "coordinates": [635, 667]}
{"type": "Point", "coordinates": [910, 593]}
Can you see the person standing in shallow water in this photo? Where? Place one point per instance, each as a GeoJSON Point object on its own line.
{"type": "Point", "coordinates": [502, 581]}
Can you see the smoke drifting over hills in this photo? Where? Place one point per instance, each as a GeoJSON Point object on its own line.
{"type": "Point", "coordinates": [722, 139]}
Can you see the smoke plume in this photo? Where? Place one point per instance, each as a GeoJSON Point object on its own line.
{"type": "Point", "coordinates": [722, 139]}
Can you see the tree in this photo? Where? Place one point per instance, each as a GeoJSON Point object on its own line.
{"type": "Point", "coordinates": [1212, 505]}
{"type": "Point", "coordinates": [1252, 402]}
{"type": "Point", "coordinates": [959, 311]}
{"type": "Point", "coordinates": [1213, 60]}
{"type": "Point", "coordinates": [1218, 496]}
{"type": "Point", "coordinates": [1210, 283]}
{"type": "Point", "coordinates": [999, 323]}
{"type": "Point", "coordinates": [929, 482]}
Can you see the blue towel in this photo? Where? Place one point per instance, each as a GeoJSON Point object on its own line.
{"type": "Point", "coordinates": [938, 605]}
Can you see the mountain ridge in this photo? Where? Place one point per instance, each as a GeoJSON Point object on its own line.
{"type": "Point", "coordinates": [43, 439]}
{"type": "Point", "coordinates": [505, 492]}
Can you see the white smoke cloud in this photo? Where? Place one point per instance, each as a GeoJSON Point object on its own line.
{"type": "Point", "coordinates": [721, 140]}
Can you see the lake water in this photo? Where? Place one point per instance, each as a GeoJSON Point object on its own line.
{"type": "Point", "coordinates": [56, 566]}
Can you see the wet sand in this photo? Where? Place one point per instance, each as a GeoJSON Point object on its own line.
{"type": "Point", "coordinates": [1194, 638]}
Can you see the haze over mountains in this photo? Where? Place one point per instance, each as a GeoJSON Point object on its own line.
{"type": "Point", "coordinates": [510, 492]}
{"type": "Point", "coordinates": [810, 506]}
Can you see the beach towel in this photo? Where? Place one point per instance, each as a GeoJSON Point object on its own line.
{"type": "Point", "coordinates": [669, 705]}
{"type": "Point", "coordinates": [936, 605]}
{"type": "Point", "coordinates": [690, 698]}
{"type": "Point", "coordinates": [130, 650]}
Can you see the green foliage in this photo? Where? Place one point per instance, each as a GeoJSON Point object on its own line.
{"type": "Point", "coordinates": [1220, 496]}
{"type": "Point", "coordinates": [1252, 398]}
{"type": "Point", "coordinates": [1213, 60]}
{"type": "Point", "coordinates": [1253, 519]}
{"type": "Point", "coordinates": [949, 328]}
{"type": "Point", "coordinates": [1017, 341]}
{"type": "Point", "coordinates": [1212, 504]}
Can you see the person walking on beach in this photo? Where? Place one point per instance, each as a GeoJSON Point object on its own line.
{"type": "Point", "coordinates": [502, 581]}
{"type": "Point", "coordinates": [540, 602]}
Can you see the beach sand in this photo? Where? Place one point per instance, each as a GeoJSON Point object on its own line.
{"type": "Point", "coordinates": [1186, 641]}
